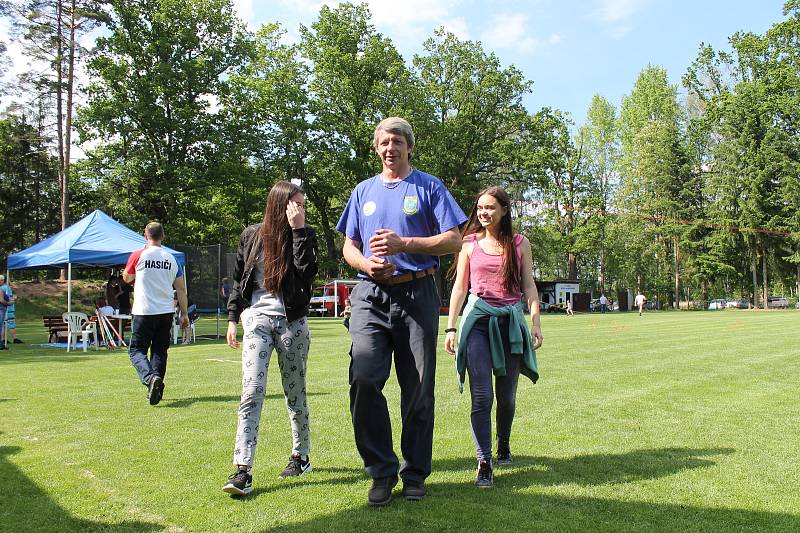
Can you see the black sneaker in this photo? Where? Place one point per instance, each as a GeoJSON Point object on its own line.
{"type": "Point", "coordinates": [485, 477]}
{"type": "Point", "coordinates": [296, 467]}
{"type": "Point", "coordinates": [17, 341]}
{"type": "Point", "coordinates": [413, 490]}
{"type": "Point", "coordinates": [381, 491]}
{"type": "Point", "coordinates": [503, 453]}
{"type": "Point", "coordinates": [239, 484]}
{"type": "Point", "coordinates": [156, 390]}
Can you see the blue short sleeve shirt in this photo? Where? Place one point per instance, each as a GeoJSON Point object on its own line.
{"type": "Point", "coordinates": [419, 206]}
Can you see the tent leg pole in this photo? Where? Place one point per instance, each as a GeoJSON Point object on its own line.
{"type": "Point", "coordinates": [219, 282]}
{"type": "Point", "coordinates": [69, 287]}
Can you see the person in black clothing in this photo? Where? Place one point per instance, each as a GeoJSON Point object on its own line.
{"type": "Point", "coordinates": [275, 264]}
{"type": "Point", "coordinates": [124, 297]}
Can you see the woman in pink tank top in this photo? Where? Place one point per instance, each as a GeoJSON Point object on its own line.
{"type": "Point", "coordinates": [495, 268]}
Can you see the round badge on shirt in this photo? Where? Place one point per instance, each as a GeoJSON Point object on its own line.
{"type": "Point", "coordinates": [369, 208]}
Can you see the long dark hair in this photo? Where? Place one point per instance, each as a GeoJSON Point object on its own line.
{"type": "Point", "coordinates": [510, 270]}
{"type": "Point", "coordinates": [276, 235]}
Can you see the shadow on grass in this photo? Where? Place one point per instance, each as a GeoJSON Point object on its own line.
{"type": "Point", "coordinates": [45, 355]}
{"type": "Point", "coordinates": [523, 499]}
{"type": "Point", "coordinates": [328, 476]}
{"type": "Point", "coordinates": [7, 400]}
{"type": "Point", "coordinates": [187, 402]}
{"type": "Point", "coordinates": [26, 507]}
{"type": "Point", "coordinates": [601, 469]}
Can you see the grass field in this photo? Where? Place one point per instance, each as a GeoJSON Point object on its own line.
{"type": "Point", "coordinates": [682, 421]}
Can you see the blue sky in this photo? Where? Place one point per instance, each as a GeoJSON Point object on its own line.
{"type": "Point", "coordinates": [570, 49]}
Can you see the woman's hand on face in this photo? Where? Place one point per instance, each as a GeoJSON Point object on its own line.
{"type": "Point", "coordinates": [296, 215]}
{"type": "Point", "coordinates": [450, 342]}
{"type": "Point", "coordinates": [231, 335]}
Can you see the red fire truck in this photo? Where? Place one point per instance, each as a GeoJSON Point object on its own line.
{"type": "Point", "coordinates": [328, 300]}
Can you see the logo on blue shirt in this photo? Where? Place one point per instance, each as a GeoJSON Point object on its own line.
{"type": "Point", "coordinates": [410, 205]}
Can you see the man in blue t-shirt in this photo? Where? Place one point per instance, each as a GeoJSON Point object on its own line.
{"type": "Point", "coordinates": [396, 225]}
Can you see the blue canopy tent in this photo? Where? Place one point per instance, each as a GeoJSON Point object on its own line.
{"type": "Point", "coordinates": [96, 240]}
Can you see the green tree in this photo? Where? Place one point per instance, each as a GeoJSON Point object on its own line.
{"type": "Point", "coordinates": [357, 78]}
{"type": "Point", "coordinates": [600, 134]}
{"type": "Point", "coordinates": [657, 190]}
{"type": "Point", "coordinates": [750, 119]}
{"type": "Point", "coordinates": [475, 117]}
{"type": "Point", "coordinates": [28, 185]}
{"type": "Point", "coordinates": [152, 108]}
{"type": "Point", "coordinates": [51, 30]}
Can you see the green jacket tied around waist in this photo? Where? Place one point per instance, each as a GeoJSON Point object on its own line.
{"type": "Point", "coordinates": [518, 334]}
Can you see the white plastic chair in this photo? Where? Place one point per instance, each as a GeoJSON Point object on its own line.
{"type": "Point", "coordinates": [79, 324]}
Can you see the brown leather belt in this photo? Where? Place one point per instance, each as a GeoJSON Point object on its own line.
{"type": "Point", "coordinates": [404, 278]}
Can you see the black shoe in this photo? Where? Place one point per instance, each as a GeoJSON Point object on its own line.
{"type": "Point", "coordinates": [413, 490]}
{"type": "Point", "coordinates": [503, 452]}
{"type": "Point", "coordinates": [3, 346]}
{"type": "Point", "coordinates": [485, 477]}
{"type": "Point", "coordinates": [156, 390]}
{"type": "Point", "coordinates": [296, 467]}
{"type": "Point", "coordinates": [239, 484]}
{"type": "Point", "coordinates": [381, 491]}
{"type": "Point", "coordinates": [17, 341]}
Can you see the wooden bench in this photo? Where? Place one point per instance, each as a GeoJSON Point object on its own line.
{"type": "Point", "coordinates": [56, 327]}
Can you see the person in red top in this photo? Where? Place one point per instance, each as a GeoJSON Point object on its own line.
{"type": "Point", "coordinates": [155, 272]}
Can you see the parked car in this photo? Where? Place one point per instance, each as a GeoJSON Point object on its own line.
{"type": "Point", "coordinates": [777, 302]}
{"type": "Point", "coordinates": [742, 303]}
{"type": "Point", "coordinates": [719, 303]}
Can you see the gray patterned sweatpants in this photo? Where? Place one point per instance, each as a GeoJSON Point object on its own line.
{"type": "Point", "coordinates": [291, 341]}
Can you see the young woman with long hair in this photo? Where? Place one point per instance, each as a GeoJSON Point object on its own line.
{"type": "Point", "coordinates": [495, 268]}
{"type": "Point", "coordinates": [275, 265]}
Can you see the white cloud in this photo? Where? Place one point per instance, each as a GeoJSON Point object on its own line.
{"type": "Point", "coordinates": [244, 8]}
{"type": "Point", "coordinates": [458, 27]}
{"type": "Point", "coordinates": [391, 13]}
{"type": "Point", "coordinates": [407, 23]}
{"type": "Point", "coordinates": [618, 10]}
{"type": "Point", "coordinates": [512, 31]}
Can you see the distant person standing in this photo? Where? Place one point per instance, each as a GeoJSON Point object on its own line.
{"type": "Point", "coordinates": [124, 296]}
{"type": "Point", "coordinates": [569, 307]}
{"type": "Point", "coordinates": [155, 272]}
{"type": "Point", "coordinates": [348, 310]}
{"type": "Point", "coordinates": [113, 290]}
{"type": "Point", "coordinates": [603, 303]}
{"type": "Point", "coordinates": [225, 290]}
{"type": "Point", "coordinates": [8, 323]}
{"type": "Point", "coordinates": [640, 300]}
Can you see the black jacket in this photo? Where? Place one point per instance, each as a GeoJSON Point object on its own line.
{"type": "Point", "coordinates": [295, 287]}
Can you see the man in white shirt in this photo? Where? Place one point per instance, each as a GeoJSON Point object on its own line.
{"type": "Point", "coordinates": [640, 301]}
{"type": "Point", "coordinates": [603, 303]}
{"type": "Point", "coordinates": [156, 272]}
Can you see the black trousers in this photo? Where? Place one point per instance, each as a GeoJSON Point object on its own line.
{"type": "Point", "coordinates": [401, 321]}
{"type": "Point", "coordinates": [150, 332]}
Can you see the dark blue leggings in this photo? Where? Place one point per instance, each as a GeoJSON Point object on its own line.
{"type": "Point", "coordinates": [479, 368]}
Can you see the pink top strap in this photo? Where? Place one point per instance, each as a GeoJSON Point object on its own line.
{"type": "Point", "coordinates": [485, 275]}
